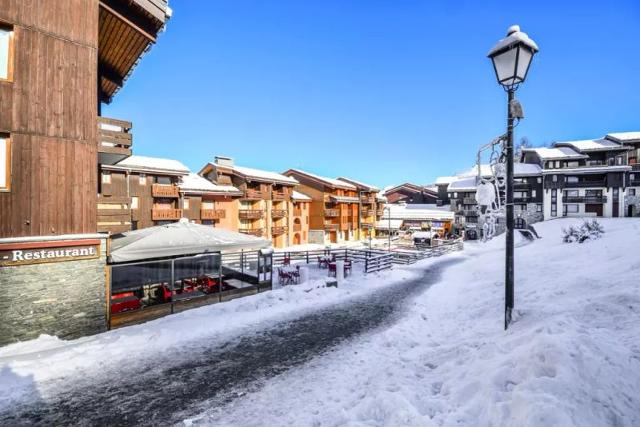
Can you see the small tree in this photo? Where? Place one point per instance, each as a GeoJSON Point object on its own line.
{"type": "Point", "coordinates": [524, 143]}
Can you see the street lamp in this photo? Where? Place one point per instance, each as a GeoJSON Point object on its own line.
{"type": "Point", "coordinates": [511, 58]}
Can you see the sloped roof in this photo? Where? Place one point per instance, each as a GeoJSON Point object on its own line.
{"type": "Point", "coordinates": [624, 136]}
{"type": "Point", "coordinates": [405, 212]}
{"type": "Point", "coordinates": [526, 169]}
{"type": "Point", "coordinates": [299, 196]}
{"type": "Point", "coordinates": [602, 144]}
{"type": "Point", "coordinates": [359, 184]}
{"type": "Point", "coordinates": [153, 164]}
{"type": "Point", "coordinates": [327, 181]}
{"type": "Point", "coordinates": [554, 153]}
{"type": "Point", "coordinates": [441, 180]}
{"type": "Point", "coordinates": [463, 184]}
{"type": "Point", "coordinates": [262, 175]}
{"type": "Point", "coordinates": [195, 183]}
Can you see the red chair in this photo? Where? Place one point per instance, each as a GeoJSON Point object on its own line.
{"type": "Point", "coordinates": [332, 269]}
{"type": "Point", "coordinates": [286, 260]}
{"type": "Point", "coordinates": [284, 278]}
{"type": "Point", "coordinates": [164, 293]}
{"type": "Point", "coordinates": [124, 301]}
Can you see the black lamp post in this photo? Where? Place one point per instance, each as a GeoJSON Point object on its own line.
{"type": "Point", "coordinates": [511, 58]}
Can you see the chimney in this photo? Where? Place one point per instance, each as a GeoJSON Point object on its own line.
{"type": "Point", "coordinates": [224, 161]}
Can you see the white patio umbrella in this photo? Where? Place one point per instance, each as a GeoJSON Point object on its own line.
{"type": "Point", "coordinates": [180, 238]}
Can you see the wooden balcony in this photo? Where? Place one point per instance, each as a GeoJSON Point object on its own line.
{"type": "Point", "coordinates": [330, 226]}
{"type": "Point", "coordinates": [584, 199]}
{"type": "Point", "coordinates": [113, 214]}
{"type": "Point", "coordinates": [278, 231]}
{"type": "Point", "coordinates": [212, 214]}
{"type": "Point", "coordinates": [251, 214]}
{"type": "Point", "coordinates": [277, 195]}
{"type": "Point", "coordinates": [367, 199]}
{"type": "Point", "coordinates": [251, 194]}
{"type": "Point", "coordinates": [114, 140]}
{"type": "Point", "coordinates": [583, 184]}
{"type": "Point", "coordinates": [278, 213]}
{"type": "Point", "coordinates": [258, 232]}
{"type": "Point", "coordinates": [161, 214]}
{"type": "Point", "coordinates": [165, 191]}
{"type": "Point", "coordinates": [331, 213]}
{"type": "Point", "coordinates": [368, 212]}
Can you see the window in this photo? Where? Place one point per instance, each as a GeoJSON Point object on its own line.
{"type": "Point", "coordinates": [539, 180]}
{"type": "Point", "coordinates": [106, 177]}
{"type": "Point", "coordinates": [571, 193]}
{"type": "Point", "coordinates": [539, 207]}
{"type": "Point", "coordinates": [618, 160]}
{"type": "Point", "coordinates": [593, 193]}
{"type": "Point", "coordinates": [567, 209]}
{"type": "Point", "coordinates": [554, 178]}
{"type": "Point", "coordinates": [632, 176]}
{"type": "Point", "coordinates": [554, 202]}
{"type": "Point", "coordinates": [207, 205]}
{"type": "Point", "coordinates": [557, 164]}
{"type": "Point", "coordinates": [5, 163]}
{"type": "Point", "coordinates": [6, 53]}
{"type": "Point", "coordinates": [533, 193]}
{"type": "Point", "coordinates": [520, 194]}
{"type": "Point", "coordinates": [134, 202]}
{"type": "Point", "coordinates": [142, 179]}
{"type": "Point", "coordinates": [632, 191]}
{"type": "Point", "coordinates": [573, 164]}
{"type": "Point", "coordinates": [185, 204]}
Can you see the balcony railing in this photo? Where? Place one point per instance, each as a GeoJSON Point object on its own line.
{"type": "Point", "coordinates": [635, 167]}
{"type": "Point", "coordinates": [258, 232]}
{"type": "Point", "coordinates": [527, 199]}
{"type": "Point", "coordinates": [277, 195]}
{"type": "Point", "coordinates": [330, 226]}
{"type": "Point", "coordinates": [367, 199]}
{"type": "Point", "coordinates": [368, 212]}
{"type": "Point", "coordinates": [252, 194]}
{"type": "Point", "coordinates": [114, 140]}
{"type": "Point", "coordinates": [212, 214]}
{"type": "Point", "coordinates": [160, 214]}
{"type": "Point", "coordinates": [278, 213]}
{"type": "Point", "coordinates": [277, 231]}
{"type": "Point", "coordinates": [165, 190]}
{"type": "Point", "coordinates": [331, 213]}
{"type": "Point", "coordinates": [250, 214]}
{"type": "Point", "coordinates": [584, 199]}
{"type": "Point", "coordinates": [469, 201]}
{"type": "Point", "coordinates": [582, 184]}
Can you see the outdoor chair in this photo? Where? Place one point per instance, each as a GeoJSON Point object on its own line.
{"type": "Point", "coordinates": [286, 260]}
{"type": "Point", "coordinates": [284, 278]}
{"type": "Point", "coordinates": [295, 275]}
{"type": "Point", "coordinates": [332, 269]}
{"type": "Point", "coordinates": [347, 267]}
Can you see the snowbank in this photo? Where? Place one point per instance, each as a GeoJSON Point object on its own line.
{"type": "Point", "coordinates": [572, 356]}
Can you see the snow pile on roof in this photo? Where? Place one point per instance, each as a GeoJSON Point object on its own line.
{"type": "Point", "coordinates": [442, 180]}
{"type": "Point", "coordinates": [299, 196]}
{"type": "Point", "coordinates": [196, 183]}
{"type": "Point", "coordinates": [431, 187]}
{"type": "Point", "coordinates": [485, 169]}
{"type": "Point", "coordinates": [463, 184]}
{"type": "Point", "coordinates": [514, 35]}
{"type": "Point", "coordinates": [264, 175]}
{"type": "Point", "coordinates": [624, 136]}
{"type": "Point", "coordinates": [405, 212]}
{"type": "Point", "coordinates": [332, 182]}
{"type": "Point", "coordinates": [546, 153]}
{"type": "Point", "coordinates": [153, 164]}
{"type": "Point", "coordinates": [591, 144]}
{"type": "Point", "coordinates": [571, 358]}
{"type": "Point", "coordinates": [393, 224]}
{"type": "Point", "coordinates": [526, 169]}
{"type": "Point", "coordinates": [359, 184]}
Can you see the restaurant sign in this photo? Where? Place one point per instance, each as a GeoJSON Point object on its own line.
{"type": "Point", "coordinates": [42, 252]}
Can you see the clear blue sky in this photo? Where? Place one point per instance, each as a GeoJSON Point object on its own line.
{"type": "Point", "coordinates": [380, 91]}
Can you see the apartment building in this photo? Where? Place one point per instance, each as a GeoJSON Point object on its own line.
{"type": "Point", "coordinates": [265, 208]}
{"type": "Point", "coordinates": [631, 140]}
{"type": "Point", "coordinates": [334, 210]}
{"type": "Point", "coordinates": [584, 178]}
{"type": "Point", "coordinates": [371, 207]}
{"type": "Point", "coordinates": [59, 60]}
{"type": "Point", "coordinates": [204, 202]}
{"type": "Point", "coordinates": [412, 194]}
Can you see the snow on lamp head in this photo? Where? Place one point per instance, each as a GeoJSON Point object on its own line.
{"type": "Point", "coordinates": [512, 56]}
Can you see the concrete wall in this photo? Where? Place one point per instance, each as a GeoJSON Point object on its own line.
{"type": "Point", "coordinates": [66, 299]}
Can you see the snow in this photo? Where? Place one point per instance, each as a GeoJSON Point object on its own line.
{"type": "Point", "coordinates": [387, 224]}
{"type": "Point", "coordinates": [591, 145]}
{"type": "Point", "coordinates": [624, 136]}
{"type": "Point", "coordinates": [299, 196]}
{"type": "Point", "coordinates": [152, 163]}
{"type": "Point", "coordinates": [463, 184]}
{"type": "Point", "coordinates": [358, 184]}
{"type": "Point", "coordinates": [264, 175]}
{"type": "Point", "coordinates": [571, 357]}
{"type": "Point", "coordinates": [329, 181]}
{"type": "Point", "coordinates": [441, 180]}
{"type": "Point", "coordinates": [404, 212]}
{"type": "Point", "coordinates": [514, 35]}
{"type": "Point", "coordinates": [546, 153]}
{"type": "Point", "coordinates": [519, 169]}
{"type": "Point", "coordinates": [195, 183]}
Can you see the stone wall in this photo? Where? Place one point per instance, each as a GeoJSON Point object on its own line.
{"type": "Point", "coordinates": [66, 299]}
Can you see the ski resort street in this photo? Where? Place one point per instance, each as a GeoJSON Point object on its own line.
{"type": "Point", "coordinates": [200, 376]}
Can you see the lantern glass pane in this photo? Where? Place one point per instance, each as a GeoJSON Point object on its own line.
{"type": "Point", "coordinates": [505, 64]}
{"type": "Point", "coordinates": [523, 62]}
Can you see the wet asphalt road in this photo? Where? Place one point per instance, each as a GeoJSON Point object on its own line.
{"type": "Point", "coordinates": [176, 385]}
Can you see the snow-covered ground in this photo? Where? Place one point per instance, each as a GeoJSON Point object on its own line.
{"type": "Point", "coordinates": [571, 358]}
{"type": "Point", "coordinates": [39, 363]}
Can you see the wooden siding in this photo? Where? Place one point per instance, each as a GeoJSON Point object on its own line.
{"type": "Point", "coordinates": [50, 111]}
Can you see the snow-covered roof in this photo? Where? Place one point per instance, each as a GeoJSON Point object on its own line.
{"type": "Point", "coordinates": [624, 136]}
{"type": "Point", "coordinates": [299, 196]}
{"type": "Point", "coordinates": [442, 180]}
{"type": "Point", "coordinates": [153, 164]}
{"type": "Point", "coordinates": [195, 183]}
{"type": "Point", "coordinates": [329, 181]}
{"type": "Point", "coordinates": [485, 169]}
{"type": "Point", "coordinates": [592, 145]}
{"type": "Point", "coordinates": [554, 153]}
{"type": "Point", "coordinates": [431, 187]}
{"type": "Point", "coordinates": [514, 35]}
{"type": "Point", "coordinates": [359, 184]}
{"type": "Point", "coordinates": [526, 169]}
{"type": "Point", "coordinates": [344, 199]}
{"type": "Point", "coordinates": [463, 184]}
{"type": "Point", "coordinates": [387, 224]}
{"type": "Point", "coordinates": [381, 198]}
{"type": "Point", "coordinates": [262, 175]}
{"type": "Point", "coordinates": [405, 212]}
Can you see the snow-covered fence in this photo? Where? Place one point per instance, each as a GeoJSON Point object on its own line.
{"type": "Point", "coordinates": [378, 262]}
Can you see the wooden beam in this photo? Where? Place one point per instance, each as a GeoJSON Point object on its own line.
{"type": "Point", "coordinates": [140, 26]}
{"type": "Point", "coordinates": [105, 71]}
